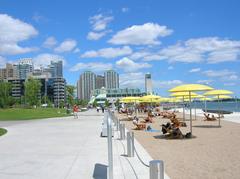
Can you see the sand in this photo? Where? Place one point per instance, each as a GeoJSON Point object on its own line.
{"type": "Point", "coordinates": [213, 153]}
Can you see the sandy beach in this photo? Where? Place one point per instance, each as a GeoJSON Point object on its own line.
{"type": "Point", "coordinates": [213, 153]}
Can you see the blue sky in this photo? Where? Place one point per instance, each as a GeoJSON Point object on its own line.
{"type": "Point", "coordinates": [178, 42]}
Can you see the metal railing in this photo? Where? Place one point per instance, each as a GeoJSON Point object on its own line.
{"type": "Point", "coordinates": [156, 167]}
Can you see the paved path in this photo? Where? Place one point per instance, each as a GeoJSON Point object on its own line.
{"type": "Point", "coordinates": [64, 148]}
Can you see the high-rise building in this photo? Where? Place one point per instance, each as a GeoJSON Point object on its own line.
{"type": "Point", "coordinates": [100, 81]}
{"type": "Point", "coordinates": [59, 92]}
{"type": "Point", "coordinates": [148, 83]}
{"type": "Point", "coordinates": [111, 79]}
{"type": "Point", "coordinates": [55, 69]}
{"type": "Point", "coordinates": [85, 85]}
{"type": "Point", "coordinates": [10, 72]}
{"type": "Point", "coordinates": [25, 66]}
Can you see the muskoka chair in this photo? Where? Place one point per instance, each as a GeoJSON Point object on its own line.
{"type": "Point", "coordinates": [148, 120]}
{"type": "Point", "coordinates": [139, 126]}
{"type": "Point", "coordinates": [177, 123]}
{"type": "Point", "coordinates": [208, 118]}
{"type": "Point", "coordinates": [171, 132]}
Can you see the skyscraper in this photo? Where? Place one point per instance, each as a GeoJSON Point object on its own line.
{"type": "Point", "coordinates": [111, 79]}
{"type": "Point", "coordinates": [85, 85]}
{"type": "Point", "coordinates": [100, 81]}
{"type": "Point", "coordinates": [25, 66]}
{"type": "Point", "coordinates": [10, 72]}
{"type": "Point", "coordinates": [148, 83]}
{"type": "Point", "coordinates": [55, 69]}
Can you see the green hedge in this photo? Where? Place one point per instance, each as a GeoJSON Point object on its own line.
{"type": "Point", "coordinates": [2, 131]}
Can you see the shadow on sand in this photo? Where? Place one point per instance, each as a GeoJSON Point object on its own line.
{"type": "Point", "coordinates": [206, 126]}
{"type": "Point", "coordinates": [169, 138]}
{"type": "Point", "coordinates": [100, 171]}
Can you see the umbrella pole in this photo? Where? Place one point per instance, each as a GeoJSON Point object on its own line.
{"type": "Point", "coordinates": [195, 111]}
{"type": "Point", "coordinates": [190, 112]}
{"type": "Point", "coordinates": [205, 105]}
{"type": "Point", "coordinates": [183, 109]}
{"type": "Point", "coordinates": [218, 113]}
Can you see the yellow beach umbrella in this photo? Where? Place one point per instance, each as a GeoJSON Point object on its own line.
{"type": "Point", "coordinates": [130, 99]}
{"type": "Point", "coordinates": [222, 97]}
{"type": "Point", "coordinates": [218, 93]}
{"type": "Point", "coordinates": [190, 88]}
{"type": "Point", "coordinates": [183, 94]}
{"type": "Point", "coordinates": [150, 97]}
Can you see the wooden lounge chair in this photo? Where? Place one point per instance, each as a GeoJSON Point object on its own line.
{"type": "Point", "coordinates": [139, 126]}
{"type": "Point", "coordinates": [208, 118]}
{"type": "Point", "coordinates": [177, 123]}
{"type": "Point", "coordinates": [148, 120]}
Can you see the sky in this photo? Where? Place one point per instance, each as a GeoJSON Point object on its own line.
{"type": "Point", "coordinates": [178, 42]}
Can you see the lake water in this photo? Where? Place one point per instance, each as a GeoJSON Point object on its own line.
{"type": "Point", "coordinates": [228, 106]}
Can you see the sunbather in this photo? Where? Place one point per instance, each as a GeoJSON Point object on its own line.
{"type": "Point", "coordinates": [208, 118]}
{"type": "Point", "coordinates": [177, 123]}
{"type": "Point", "coordinates": [149, 119]}
{"type": "Point", "coordinates": [139, 126]}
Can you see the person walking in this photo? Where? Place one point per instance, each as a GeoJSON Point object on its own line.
{"type": "Point", "coordinates": [102, 109]}
{"type": "Point", "coordinates": [75, 111]}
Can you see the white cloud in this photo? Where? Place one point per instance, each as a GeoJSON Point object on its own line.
{"type": "Point", "coordinates": [206, 82]}
{"type": "Point", "coordinates": [224, 75]}
{"type": "Point", "coordinates": [66, 46]}
{"type": "Point", "coordinates": [108, 52]}
{"type": "Point", "coordinates": [125, 9]}
{"type": "Point", "coordinates": [92, 66]}
{"type": "Point", "coordinates": [76, 50]}
{"type": "Point", "coordinates": [96, 35]}
{"type": "Point", "coordinates": [170, 68]}
{"type": "Point", "coordinates": [39, 18]}
{"type": "Point", "coordinates": [132, 80]}
{"type": "Point", "coordinates": [208, 49]}
{"type": "Point", "coordinates": [99, 22]}
{"type": "Point", "coordinates": [138, 55]}
{"type": "Point", "coordinates": [146, 34]}
{"type": "Point", "coordinates": [166, 84]}
{"type": "Point", "coordinates": [49, 42]}
{"type": "Point", "coordinates": [45, 59]}
{"type": "Point", "coordinates": [219, 73]}
{"type": "Point", "coordinates": [233, 77]}
{"type": "Point", "coordinates": [194, 70]}
{"type": "Point", "coordinates": [13, 31]}
{"type": "Point", "coordinates": [130, 66]}
{"type": "Point", "coordinates": [229, 84]}
{"type": "Point", "coordinates": [3, 61]}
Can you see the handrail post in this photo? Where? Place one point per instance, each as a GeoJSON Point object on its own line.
{"type": "Point", "coordinates": [156, 168]}
{"type": "Point", "coordinates": [130, 144]}
{"type": "Point", "coordinates": [110, 152]}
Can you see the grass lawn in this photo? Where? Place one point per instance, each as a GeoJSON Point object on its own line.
{"type": "Point", "coordinates": [2, 131]}
{"type": "Point", "coordinates": [26, 114]}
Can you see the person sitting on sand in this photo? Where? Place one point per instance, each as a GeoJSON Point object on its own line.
{"type": "Point", "coordinates": [139, 126]}
{"type": "Point", "coordinates": [177, 123]}
{"type": "Point", "coordinates": [214, 118]}
{"type": "Point", "coordinates": [176, 134]}
{"type": "Point", "coordinates": [208, 118]}
{"type": "Point", "coordinates": [166, 128]}
{"type": "Point", "coordinates": [149, 119]}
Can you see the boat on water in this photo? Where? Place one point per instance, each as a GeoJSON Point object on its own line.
{"type": "Point", "coordinates": [217, 111]}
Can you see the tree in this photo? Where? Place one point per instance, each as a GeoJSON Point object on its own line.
{"type": "Point", "coordinates": [46, 100]}
{"type": "Point", "coordinates": [107, 103]}
{"type": "Point", "coordinates": [70, 94]}
{"type": "Point", "coordinates": [5, 93]}
{"type": "Point", "coordinates": [81, 102]}
{"type": "Point", "coordinates": [32, 91]}
{"type": "Point", "coordinates": [95, 103]}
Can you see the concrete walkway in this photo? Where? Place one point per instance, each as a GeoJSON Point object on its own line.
{"type": "Point", "coordinates": [64, 148]}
